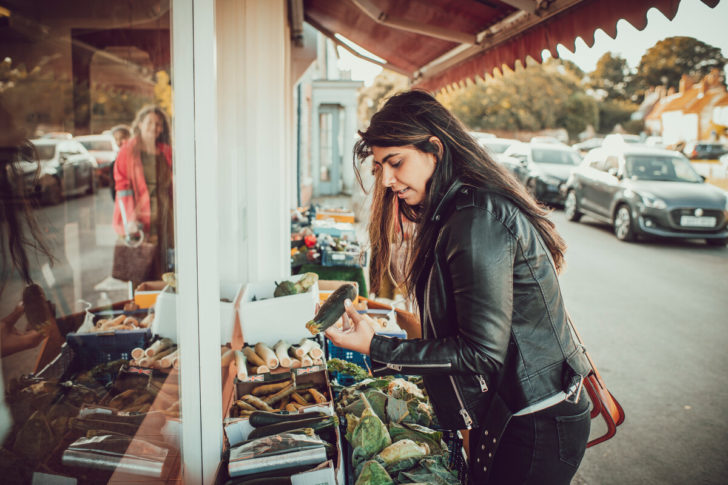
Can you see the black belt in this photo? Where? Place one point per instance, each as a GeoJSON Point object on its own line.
{"type": "Point", "coordinates": [488, 438]}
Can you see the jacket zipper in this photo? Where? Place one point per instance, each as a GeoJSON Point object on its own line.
{"type": "Point", "coordinates": [399, 367]}
{"type": "Point", "coordinates": [463, 412]}
{"type": "Point", "coordinates": [483, 384]}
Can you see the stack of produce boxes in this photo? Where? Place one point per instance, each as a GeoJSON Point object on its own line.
{"type": "Point", "coordinates": [281, 421]}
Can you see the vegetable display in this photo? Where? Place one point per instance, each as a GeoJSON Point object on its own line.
{"type": "Point", "coordinates": [388, 428]}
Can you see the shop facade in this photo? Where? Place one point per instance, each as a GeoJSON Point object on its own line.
{"type": "Point", "coordinates": [226, 75]}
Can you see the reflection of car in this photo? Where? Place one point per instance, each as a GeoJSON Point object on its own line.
{"type": "Point", "coordinates": [66, 168]}
{"type": "Point", "coordinates": [541, 167]}
{"type": "Point", "coordinates": [641, 190]}
{"type": "Point", "coordinates": [704, 150]}
{"type": "Point", "coordinates": [104, 149]}
{"type": "Point", "coordinates": [497, 146]}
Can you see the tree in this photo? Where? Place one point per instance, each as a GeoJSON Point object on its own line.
{"type": "Point", "coordinates": [666, 62]}
{"type": "Point", "coordinates": [538, 97]}
{"type": "Point", "coordinates": [371, 97]}
{"type": "Point", "coordinates": [611, 77]}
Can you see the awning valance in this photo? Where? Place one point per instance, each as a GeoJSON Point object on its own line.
{"type": "Point", "coordinates": [442, 42]}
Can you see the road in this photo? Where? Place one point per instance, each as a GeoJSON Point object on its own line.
{"type": "Point", "coordinates": [654, 316]}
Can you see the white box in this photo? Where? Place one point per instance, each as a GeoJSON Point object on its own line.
{"type": "Point", "coordinates": [231, 292]}
{"type": "Point", "coordinates": [320, 476]}
{"type": "Point", "coordinates": [269, 319]}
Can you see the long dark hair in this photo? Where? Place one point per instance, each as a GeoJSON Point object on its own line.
{"type": "Point", "coordinates": [411, 118]}
{"type": "Point", "coordinates": [19, 231]}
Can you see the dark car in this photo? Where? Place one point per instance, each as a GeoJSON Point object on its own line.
{"type": "Point", "coordinates": [647, 191]}
{"type": "Point", "coordinates": [542, 168]}
{"type": "Point", "coordinates": [63, 168]}
{"type": "Point", "coordinates": [705, 150]}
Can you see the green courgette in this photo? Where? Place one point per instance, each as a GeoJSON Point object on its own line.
{"type": "Point", "coordinates": [264, 418]}
{"type": "Point", "coordinates": [332, 309]}
{"type": "Point", "coordinates": [317, 424]}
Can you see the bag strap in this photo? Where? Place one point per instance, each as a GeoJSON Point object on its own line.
{"type": "Point", "coordinates": [581, 344]}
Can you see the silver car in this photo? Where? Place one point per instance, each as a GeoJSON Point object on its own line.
{"type": "Point", "coordinates": [647, 191]}
{"type": "Point", "coordinates": [63, 168]}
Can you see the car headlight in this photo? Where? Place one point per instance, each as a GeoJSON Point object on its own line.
{"type": "Point", "coordinates": [652, 202]}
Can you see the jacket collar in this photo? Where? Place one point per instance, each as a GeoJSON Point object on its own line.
{"type": "Point", "coordinates": [456, 185]}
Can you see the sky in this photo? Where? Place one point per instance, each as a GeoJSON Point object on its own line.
{"type": "Point", "coordinates": [693, 19]}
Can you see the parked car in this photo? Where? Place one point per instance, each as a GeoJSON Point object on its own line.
{"type": "Point", "coordinates": [586, 145]}
{"type": "Point", "coordinates": [63, 168]}
{"type": "Point", "coordinates": [647, 191]}
{"type": "Point", "coordinates": [705, 150]}
{"type": "Point", "coordinates": [497, 146]}
{"type": "Point", "coordinates": [542, 168]}
{"type": "Point", "coordinates": [104, 149]}
{"type": "Point", "coordinates": [615, 139]}
{"type": "Point", "coordinates": [545, 139]}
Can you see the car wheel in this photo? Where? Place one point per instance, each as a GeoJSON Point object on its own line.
{"type": "Point", "coordinates": [717, 242]}
{"type": "Point", "coordinates": [572, 213]}
{"type": "Point", "coordinates": [623, 224]}
{"type": "Point", "coordinates": [52, 193]}
{"type": "Point", "coordinates": [531, 187]}
{"type": "Point", "coordinates": [92, 184]}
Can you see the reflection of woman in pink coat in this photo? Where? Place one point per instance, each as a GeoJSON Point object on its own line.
{"type": "Point", "coordinates": [143, 178]}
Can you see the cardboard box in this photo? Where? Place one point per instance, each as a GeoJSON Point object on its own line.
{"type": "Point", "coordinates": [269, 319]}
{"type": "Point", "coordinates": [238, 429]}
{"type": "Point", "coordinates": [335, 215]}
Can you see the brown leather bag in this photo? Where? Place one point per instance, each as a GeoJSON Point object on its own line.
{"type": "Point", "coordinates": [604, 404]}
{"type": "Point", "coordinates": [133, 263]}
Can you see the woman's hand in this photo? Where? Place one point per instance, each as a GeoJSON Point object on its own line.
{"type": "Point", "coordinates": [357, 331]}
{"type": "Point", "coordinates": [12, 341]}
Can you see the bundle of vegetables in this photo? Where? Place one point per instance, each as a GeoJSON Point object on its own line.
{"type": "Point", "coordinates": [286, 288]}
{"type": "Point", "coordinates": [388, 429]}
{"type": "Point", "coordinates": [348, 368]}
{"type": "Point", "coordinates": [278, 396]}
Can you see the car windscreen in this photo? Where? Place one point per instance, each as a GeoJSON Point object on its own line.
{"type": "Point", "coordinates": [710, 148]}
{"type": "Point", "coordinates": [555, 156]}
{"type": "Point", "coordinates": [97, 145]}
{"type": "Point", "coordinates": [657, 167]}
{"type": "Point", "coordinates": [45, 152]}
{"type": "Point", "coordinates": [496, 147]}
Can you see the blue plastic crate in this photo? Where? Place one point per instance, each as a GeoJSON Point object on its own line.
{"type": "Point", "coordinates": [95, 348]}
{"type": "Point", "coordinates": [357, 259]}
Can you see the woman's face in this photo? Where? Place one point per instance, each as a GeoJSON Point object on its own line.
{"type": "Point", "coordinates": [405, 170]}
{"type": "Point", "coordinates": [151, 126]}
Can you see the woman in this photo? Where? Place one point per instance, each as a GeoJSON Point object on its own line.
{"type": "Point", "coordinates": [143, 181]}
{"type": "Point", "coordinates": [496, 354]}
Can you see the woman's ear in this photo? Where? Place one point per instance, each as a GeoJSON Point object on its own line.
{"type": "Point", "coordinates": [436, 141]}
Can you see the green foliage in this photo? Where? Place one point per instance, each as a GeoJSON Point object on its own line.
{"type": "Point", "coordinates": [611, 77]}
{"type": "Point", "coordinates": [36, 98]}
{"type": "Point", "coordinates": [372, 97]}
{"type": "Point", "coordinates": [669, 59]}
{"type": "Point", "coordinates": [541, 96]}
{"type": "Point", "coordinates": [614, 112]}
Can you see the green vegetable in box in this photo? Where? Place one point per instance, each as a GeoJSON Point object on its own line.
{"type": "Point", "coordinates": [376, 398]}
{"type": "Point", "coordinates": [402, 450]}
{"type": "Point", "coordinates": [432, 470]}
{"type": "Point", "coordinates": [368, 435]}
{"type": "Point", "coordinates": [420, 434]}
{"type": "Point", "coordinates": [348, 368]}
{"type": "Point", "coordinates": [372, 473]}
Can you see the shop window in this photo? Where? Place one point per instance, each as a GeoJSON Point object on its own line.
{"type": "Point", "coordinates": [94, 376]}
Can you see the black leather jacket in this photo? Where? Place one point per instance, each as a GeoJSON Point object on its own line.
{"type": "Point", "coordinates": [491, 312]}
